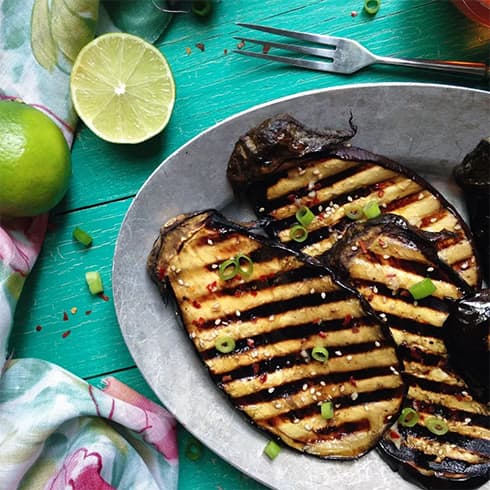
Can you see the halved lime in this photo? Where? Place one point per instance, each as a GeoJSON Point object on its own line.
{"type": "Point", "coordinates": [122, 88]}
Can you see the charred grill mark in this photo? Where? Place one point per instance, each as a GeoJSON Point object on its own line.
{"type": "Point", "coordinates": [413, 354]}
{"type": "Point", "coordinates": [281, 306]}
{"type": "Point", "coordinates": [345, 428]}
{"type": "Point", "coordinates": [270, 205]}
{"type": "Point", "coordinates": [475, 445]}
{"type": "Point", "coordinates": [298, 386]}
{"type": "Point", "coordinates": [321, 328]}
{"type": "Point", "coordinates": [457, 415]}
{"type": "Point", "coordinates": [433, 385]}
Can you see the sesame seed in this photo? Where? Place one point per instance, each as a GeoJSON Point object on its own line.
{"type": "Point", "coordinates": [311, 185]}
{"type": "Point", "coordinates": [337, 405]}
{"type": "Point", "coordinates": [316, 172]}
{"type": "Point", "coordinates": [420, 196]}
{"type": "Point", "coordinates": [277, 405]}
{"type": "Point", "coordinates": [180, 281]}
{"type": "Point", "coordinates": [271, 317]}
{"type": "Point", "coordinates": [349, 357]}
{"type": "Point", "coordinates": [366, 408]}
{"type": "Point", "coordinates": [261, 210]}
{"type": "Point", "coordinates": [464, 265]}
{"type": "Point", "coordinates": [323, 295]}
{"type": "Point", "coordinates": [301, 171]}
{"type": "Point", "coordinates": [271, 390]}
{"type": "Point", "coordinates": [457, 227]}
{"type": "Point", "coordinates": [386, 257]}
{"type": "Point", "coordinates": [464, 393]}
{"type": "Point", "coordinates": [377, 344]}
{"type": "Point", "coordinates": [374, 289]}
{"type": "Point", "coordinates": [308, 427]}
{"type": "Point", "coordinates": [312, 291]}
{"type": "Point", "coordinates": [305, 387]}
{"type": "Point", "coordinates": [312, 194]}
{"type": "Point", "coordinates": [296, 421]}
{"type": "Point", "coordinates": [430, 269]}
{"type": "Point", "coordinates": [320, 208]}
{"type": "Point", "coordinates": [322, 383]}
{"type": "Point", "coordinates": [217, 321]}
{"type": "Point", "coordinates": [354, 395]}
{"type": "Point", "coordinates": [338, 353]}
{"type": "Point", "coordinates": [354, 248]}
{"type": "Point", "coordinates": [210, 242]}
{"type": "Point", "coordinates": [433, 220]}
{"type": "Point", "coordinates": [255, 353]}
{"type": "Point", "coordinates": [342, 388]}
{"type": "Point", "coordinates": [318, 393]}
{"type": "Point", "coordinates": [314, 398]}
{"type": "Point", "coordinates": [467, 420]}
{"type": "Point", "coordinates": [349, 198]}
{"type": "Point", "coordinates": [214, 266]}
{"type": "Point", "coordinates": [238, 313]}
{"type": "Point", "coordinates": [312, 391]}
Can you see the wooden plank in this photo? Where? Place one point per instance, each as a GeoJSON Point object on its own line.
{"type": "Point", "coordinates": [212, 85]}
{"type": "Point", "coordinates": [94, 344]}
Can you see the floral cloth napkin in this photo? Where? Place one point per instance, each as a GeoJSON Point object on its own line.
{"type": "Point", "coordinates": [56, 430]}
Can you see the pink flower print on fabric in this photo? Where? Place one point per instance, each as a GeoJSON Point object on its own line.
{"type": "Point", "coordinates": [80, 471]}
{"type": "Point", "coordinates": [153, 422]}
{"type": "Point", "coordinates": [20, 242]}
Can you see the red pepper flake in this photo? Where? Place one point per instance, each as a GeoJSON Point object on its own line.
{"type": "Point", "coordinates": [200, 322]}
{"type": "Point", "coordinates": [253, 292]}
{"type": "Point", "coordinates": [322, 334]}
{"type": "Point", "coordinates": [238, 293]}
{"type": "Point", "coordinates": [38, 328]}
{"type": "Point", "coordinates": [362, 246]}
{"type": "Point", "coordinates": [65, 316]}
{"type": "Point", "coordinates": [352, 381]}
{"type": "Point", "coordinates": [103, 296]}
{"type": "Point", "coordinates": [354, 13]}
{"type": "Point", "coordinates": [241, 44]}
{"type": "Point", "coordinates": [394, 434]}
{"type": "Point", "coordinates": [200, 46]}
{"type": "Point", "coordinates": [251, 342]}
{"type": "Point", "coordinates": [225, 51]}
{"type": "Point", "coordinates": [88, 312]}
{"type": "Point", "coordinates": [212, 287]}
{"type": "Point", "coordinates": [161, 273]}
{"type": "Point", "coordinates": [265, 277]}
{"type": "Point", "coordinates": [292, 198]}
{"type": "Point", "coordinates": [355, 329]}
{"type": "Point", "coordinates": [255, 369]}
{"type": "Point", "coordinates": [266, 48]}
{"type": "Point", "coordinates": [347, 320]}
{"type": "Point", "coordinates": [188, 51]}
{"type": "Point", "coordinates": [381, 193]}
{"type": "Point", "coordinates": [263, 377]}
{"type": "Point", "coordinates": [226, 378]}
{"type": "Point", "coordinates": [196, 304]}
{"type": "Point", "coordinates": [65, 334]}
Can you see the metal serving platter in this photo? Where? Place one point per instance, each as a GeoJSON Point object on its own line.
{"type": "Point", "coordinates": [426, 127]}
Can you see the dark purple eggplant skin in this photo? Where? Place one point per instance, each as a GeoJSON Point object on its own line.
{"type": "Point", "coordinates": [466, 334]}
{"type": "Point", "coordinates": [473, 176]}
{"type": "Point", "coordinates": [278, 143]}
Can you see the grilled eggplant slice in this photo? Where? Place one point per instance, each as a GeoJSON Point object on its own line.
{"type": "Point", "coordinates": [473, 176]}
{"type": "Point", "coordinates": [467, 335]}
{"type": "Point", "coordinates": [270, 321]}
{"type": "Point", "coordinates": [333, 180]}
{"type": "Point", "coordinates": [383, 258]}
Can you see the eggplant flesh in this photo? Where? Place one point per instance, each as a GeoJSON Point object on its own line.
{"type": "Point", "coordinates": [335, 179]}
{"type": "Point", "coordinates": [289, 305]}
{"type": "Point", "coordinates": [473, 176]}
{"type": "Point", "coordinates": [393, 257]}
{"type": "Point", "coordinates": [467, 335]}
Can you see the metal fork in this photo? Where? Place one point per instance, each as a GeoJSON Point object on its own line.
{"type": "Point", "coordinates": [344, 55]}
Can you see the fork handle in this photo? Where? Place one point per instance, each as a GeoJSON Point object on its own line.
{"type": "Point", "coordinates": [462, 67]}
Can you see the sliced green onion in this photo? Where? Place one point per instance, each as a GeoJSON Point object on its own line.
{"type": "Point", "coordinates": [228, 269]}
{"type": "Point", "coordinates": [408, 418]}
{"type": "Point", "coordinates": [298, 233]}
{"type": "Point", "coordinates": [224, 344]}
{"type": "Point", "coordinates": [320, 354]}
{"type": "Point", "coordinates": [437, 426]}
{"type": "Point", "coordinates": [82, 236]}
{"type": "Point", "coordinates": [202, 7]}
{"type": "Point", "coordinates": [272, 449]}
{"type": "Point", "coordinates": [193, 449]}
{"type": "Point", "coordinates": [354, 213]}
{"type": "Point", "coordinates": [372, 6]}
{"type": "Point", "coordinates": [422, 289]}
{"type": "Point", "coordinates": [94, 282]}
{"type": "Point", "coordinates": [371, 209]}
{"type": "Point", "coordinates": [304, 215]}
{"type": "Point", "coordinates": [326, 410]}
{"type": "Point", "coordinates": [244, 260]}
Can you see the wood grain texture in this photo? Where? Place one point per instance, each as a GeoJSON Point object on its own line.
{"type": "Point", "coordinates": [211, 85]}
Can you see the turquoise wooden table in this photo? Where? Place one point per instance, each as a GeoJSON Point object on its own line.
{"type": "Point", "coordinates": [57, 319]}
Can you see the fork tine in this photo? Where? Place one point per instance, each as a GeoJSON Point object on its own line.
{"type": "Point", "coordinates": [322, 52]}
{"type": "Point", "coordinates": [304, 36]}
{"type": "Point", "coordinates": [309, 64]}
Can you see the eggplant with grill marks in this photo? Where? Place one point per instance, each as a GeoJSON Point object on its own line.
{"type": "Point", "coordinates": [394, 257]}
{"type": "Point", "coordinates": [265, 335]}
{"type": "Point", "coordinates": [335, 181]}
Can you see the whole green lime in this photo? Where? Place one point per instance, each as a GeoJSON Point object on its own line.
{"type": "Point", "coordinates": [35, 164]}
